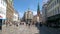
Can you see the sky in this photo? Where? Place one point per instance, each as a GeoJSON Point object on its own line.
{"type": "Point", "coordinates": [22, 6]}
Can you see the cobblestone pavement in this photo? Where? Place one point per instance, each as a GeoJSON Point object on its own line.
{"type": "Point", "coordinates": [21, 29]}
{"type": "Point", "coordinates": [48, 30]}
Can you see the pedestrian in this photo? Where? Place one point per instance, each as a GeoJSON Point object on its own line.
{"type": "Point", "coordinates": [40, 24]}
{"type": "Point", "coordinates": [29, 25]}
{"type": "Point", "coordinates": [26, 23]}
{"type": "Point", "coordinates": [6, 24]}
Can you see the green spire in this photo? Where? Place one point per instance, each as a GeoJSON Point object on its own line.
{"type": "Point", "coordinates": [38, 9]}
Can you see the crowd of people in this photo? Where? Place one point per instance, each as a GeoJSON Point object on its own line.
{"type": "Point", "coordinates": [22, 23]}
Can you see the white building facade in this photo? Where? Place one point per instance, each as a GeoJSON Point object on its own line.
{"type": "Point", "coordinates": [52, 12]}
{"type": "Point", "coordinates": [28, 16]}
{"type": "Point", "coordinates": [44, 15]}
{"type": "Point", "coordinates": [3, 6]}
{"type": "Point", "coordinates": [53, 7]}
{"type": "Point", "coordinates": [15, 17]}
{"type": "Point", "coordinates": [38, 20]}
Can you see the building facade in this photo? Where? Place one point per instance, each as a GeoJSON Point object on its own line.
{"type": "Point", "coordinates": [53, 12]}
{"type": "Point", "coordinates": [44, 10]}
{"type": "Point", "coordinates": [3, 8]}
{"type": "Point", "coordinates": [10, 11]}
{"type": "Point", "coordinates": [16, 18]}
{"type": "Point", "coordinates": [28, 16]}
{"type": "Point", "coordinates": [35, 19]}
{"type": "Point", "coordinates": [53, 7]}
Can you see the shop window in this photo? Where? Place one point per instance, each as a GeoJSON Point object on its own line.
{"type": "Point", "coordinates": [59, 10]}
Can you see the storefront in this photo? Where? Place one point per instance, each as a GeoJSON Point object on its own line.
{"type": "Point", "coordinates": [54, 20]}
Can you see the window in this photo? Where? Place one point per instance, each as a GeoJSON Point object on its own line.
{"type": "Point", "coordinates": [57, 1]}
{"type": "Point", "coordinates": [59, 9]}
{"type": "Point", "coordinates": [52, 4]}
{"type": "Point", "coordinates": [11, 1]}
{"type": "Point", "coordinates": [54, 12]}
{"type": "Point", "coordinates": [4, 1]}
{"type": "Point", "coordinates": [1, 1]}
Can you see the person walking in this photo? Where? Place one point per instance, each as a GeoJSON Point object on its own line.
{"type": "Point", "coordinates": [6, 24]}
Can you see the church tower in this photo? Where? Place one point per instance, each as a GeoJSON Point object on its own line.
{"type": "Point", "coordinates": [38, 10]}
{"type": "Point", "coordinates": [38, 13]}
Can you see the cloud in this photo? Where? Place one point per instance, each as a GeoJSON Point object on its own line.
{"type": "Point", "coordinates": [34, 12]}
{"type": "Point", "coordinates": [21, 14]}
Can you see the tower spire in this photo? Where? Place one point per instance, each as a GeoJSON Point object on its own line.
{"type": "Point", "coordinates": [38, 9]}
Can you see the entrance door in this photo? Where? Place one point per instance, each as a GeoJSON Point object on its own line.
{"type": "Point", "coordinates": [0, 24]}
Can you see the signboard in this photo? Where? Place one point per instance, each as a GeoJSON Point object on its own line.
{"type": "Point", "coordinates": [2, 13]}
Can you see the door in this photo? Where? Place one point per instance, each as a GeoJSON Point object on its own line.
{"type": "Point", "coordinates": [0, 24]}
